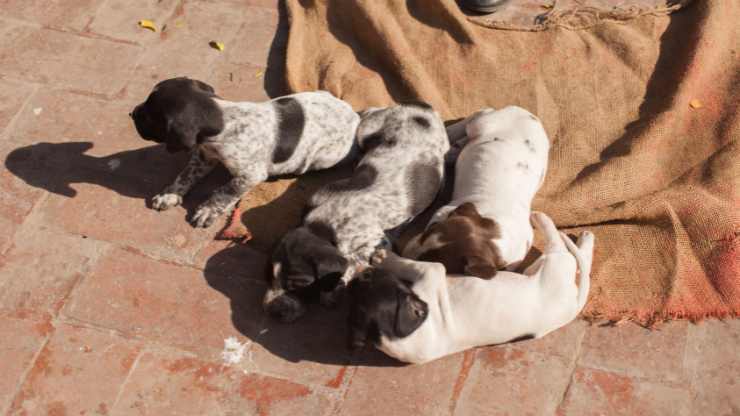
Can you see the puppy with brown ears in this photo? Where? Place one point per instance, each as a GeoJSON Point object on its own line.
{"type": "Point", "coordinates": [413, 311]}
{"type": "Point", "coordinates": [486, 228]}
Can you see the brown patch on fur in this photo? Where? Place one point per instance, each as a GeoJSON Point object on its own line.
{"type": "Point", "coordinates": [467, 246]}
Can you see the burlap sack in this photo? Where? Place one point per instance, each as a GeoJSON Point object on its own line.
{"type": "Point", "coordinates": [643, 119]}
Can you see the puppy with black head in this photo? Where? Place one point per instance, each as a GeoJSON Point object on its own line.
{"type": "Point", "coordinates": [398, 176]}
{"type": "Point", "coordinates": [486, 228]}
{"type": "Point", "coordinates": [288, 135]}
{"type": "Point", "coordinates": [414, 312]}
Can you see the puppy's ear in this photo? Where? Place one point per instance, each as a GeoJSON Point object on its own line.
{"type": "Point", "coordinates": [369, 131]}
{"type": "Point", "coordinates": [195, 120]}
{"type": "Point", "coordinates": [410, 314]}
{"type": "Point", "coordinates": [466, 210]}
{"type": "Point", "coordinates": [358, 324]}
{"type": "Point", "coordinates": [330, 268]}
{"type": "Point", "coordinates": [358, 321]}
{"type": "Point", "coordinates": [479, 267]}
{"type": "Point", "coordinates": [181, 134]}
{"type": "Point", "coordinates": [286, 275]}
{"type": "Point", "coordinates": [203, 86]}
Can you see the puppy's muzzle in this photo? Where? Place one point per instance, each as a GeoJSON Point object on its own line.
{"type": "Point", "coordinates": [282, 306]}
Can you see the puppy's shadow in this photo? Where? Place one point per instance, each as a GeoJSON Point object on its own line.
{"type": "Point", "coordinates": [140, 173]}
{"type": "Point", "coordinates": [318, 337]}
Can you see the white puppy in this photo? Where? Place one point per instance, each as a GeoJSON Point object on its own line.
{"type": "Point", "coordinates": [411, 311]}
{"type": "Point", "coordinates": [486, 227]}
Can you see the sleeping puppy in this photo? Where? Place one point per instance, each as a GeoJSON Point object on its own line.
{"type": "Point", "coordinates": [288, 135]}
{"type": "Point", "coordinates": [411, 311]}
{"type": "Point", "coordinates": [486, 226]}
{"type": "Point", "coordinates": [398, 176]}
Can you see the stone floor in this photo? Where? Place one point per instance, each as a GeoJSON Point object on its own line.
{"type": "Point", "coordinates": [108, 307]}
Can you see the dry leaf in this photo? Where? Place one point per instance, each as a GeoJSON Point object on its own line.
{"type": "Point", "coordinates": [695, 103]}
{"type": "Point", "coordinates": [217, 45]}
{"type": "Point", "coordinates": [148, 24]}
{"type": "Point", "coordinates": [259, 74]}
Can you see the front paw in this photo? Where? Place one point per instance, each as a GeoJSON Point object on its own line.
{"type": "Point", "coordinates": [378, 257]}
{"type": "Point", "coordinates": [205, 216]}
{"type": "Point", "coordinates": [165, 201]}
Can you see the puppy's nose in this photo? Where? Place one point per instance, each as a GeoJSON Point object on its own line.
{"type": "Point", "coordinates": [131, 114]}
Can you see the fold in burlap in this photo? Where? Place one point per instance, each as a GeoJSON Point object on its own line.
{"type": "Point", "coordinates": [656, 179]}
{"type": "Point", "coordinates": [535, 15]}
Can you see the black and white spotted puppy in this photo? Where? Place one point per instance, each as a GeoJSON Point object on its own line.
{"type": "Point", "coordinates": [397, 178]}
{"type": "Point", "coordinates": [288, 135]}
{"type": "Point", "coordinates": [486, 227]}
{"type": "Point", "coordinates": [413, 311]}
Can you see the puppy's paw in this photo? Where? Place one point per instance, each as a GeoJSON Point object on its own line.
{"type": "Point", "coordinates": [283, 307]}
{"type": "Point", "coordinates": [205, 216]}
{"type": "Point", "coordinates": [379, 256]}
{"type": "Point", "coordinates": [586, 240]}
{"type": "Point", "coordinates": [330, 299]}
{"type": "Point", "coordinates": [541, 220]}
{"type": "Point", "coordinates": [165, 201]}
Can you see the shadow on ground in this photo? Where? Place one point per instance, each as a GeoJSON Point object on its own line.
{"type": "Point", "coordinates": [319, 336]}
{"type": "Point", "coordinates": [139, 174]}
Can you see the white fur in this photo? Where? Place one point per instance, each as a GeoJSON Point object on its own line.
{"type": "Point", "coordinates": [466, 312]}
{"type": "Point", "coordinates": [499, 170]}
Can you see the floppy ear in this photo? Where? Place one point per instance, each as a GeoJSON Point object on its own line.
{"type": "Point", "coordinates": [358, 322]}
{"type": "Point", "coordinates": [202, 85]}
{"type": "Point", "coordinates": [466, 210]}
{"type": "Point", "coordinates": [181, 134]}
{"type": "Point", "coordinates": [369, 131]}
{"type": "Point", "coordinates": [410, 314]}
{"type": "Point", "coordinates": [358, 325]}
{"type": "Point", "coordinates": [188, 126]}
{"type": "Point", "coordinates": [330, 268]}
{"type": "Point", "coordinates": [478, 267]}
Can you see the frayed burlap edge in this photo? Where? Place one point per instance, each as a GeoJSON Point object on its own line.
{"type": "Point", "coordinates": [579, 18]}
{"type": "Point", "coordinates": [653, 320]}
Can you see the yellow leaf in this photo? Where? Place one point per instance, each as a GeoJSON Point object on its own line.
{"type": "Point", "coordinates": [148, 24]}
{"type": "Point", "coordinates": [695, 103]}
{"type": "Point", "coordinates": [258, 74]}
{"type": "Point", "coordinates": [217, 45]}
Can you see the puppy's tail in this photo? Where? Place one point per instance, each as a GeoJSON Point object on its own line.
{"type": "Point", "coordinates": [583, 252]}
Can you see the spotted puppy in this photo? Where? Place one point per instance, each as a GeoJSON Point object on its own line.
{"type": "Point", "coordinates": [398, 176]}
{"type": "Point", "coordinates": [413, 312]}
{"type": "Point", "coordinates": [486, 226]}
{"type": "Point", "coordinates": [289, 135]}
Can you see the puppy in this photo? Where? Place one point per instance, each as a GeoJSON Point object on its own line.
{"type": "Point", "coordinates": [289, 135]}
{"type": "Point", "coordinates": [411, 311]}
{"type": "Point", "coordinates": [398, 176]}
{"type": "Point", "coordinates": [486, 226]}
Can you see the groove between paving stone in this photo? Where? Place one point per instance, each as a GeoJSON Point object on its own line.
{"type": "Point", "coordinates": [342, 395]}
{"type": "Point", "coordinates": [574, 365]}
{"type": "Point", "coordinates": [24, 376]}
{"type": "Point", "coordinates": [122, 387]}
{"type": "Point", "coordinates": [13, 120]}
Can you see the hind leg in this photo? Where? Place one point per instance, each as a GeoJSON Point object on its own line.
{"type": "Point", "coordinates": [583, 249]}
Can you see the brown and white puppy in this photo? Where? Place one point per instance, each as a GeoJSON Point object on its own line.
{"type": "Point", "coordinates": [486, 226]}
{"type": "Point", "coordinates": [415, 312]}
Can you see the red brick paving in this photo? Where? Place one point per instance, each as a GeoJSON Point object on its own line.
{"type": "Point", "coordinates": [107, 307]}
